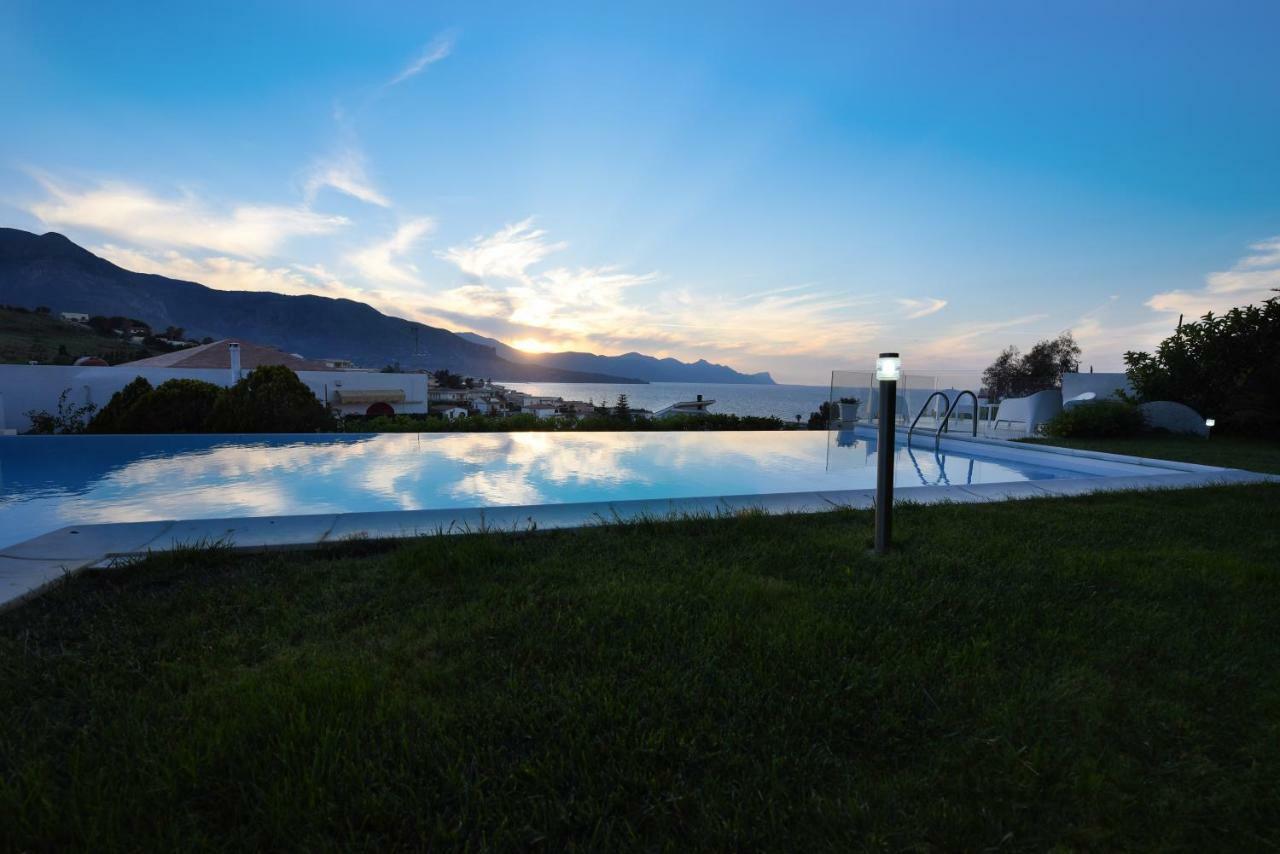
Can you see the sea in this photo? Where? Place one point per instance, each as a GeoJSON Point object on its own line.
{"type": "Point", "coordinates": [783, 401]}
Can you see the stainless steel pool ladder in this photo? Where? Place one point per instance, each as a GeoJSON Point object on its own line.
{"type": "Point", "coordinates": [946, 402]}
{"type": "Point", "coordinates": [951, 407]}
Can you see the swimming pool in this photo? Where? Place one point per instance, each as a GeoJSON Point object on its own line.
{"type": "Point", "coordinates": [47, 482]}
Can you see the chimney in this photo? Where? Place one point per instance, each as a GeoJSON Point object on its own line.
{"type": "Point", "coordinates": [234, 348]}
{"type": "Point", "coordinates": [699, 398]}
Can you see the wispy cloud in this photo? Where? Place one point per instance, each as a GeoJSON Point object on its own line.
{"type": "Point", "coordinates": [610, 309]}
{"type": "Point", "coordinates": [917, 308]}
{"type": "Point", "coordinates": [970, 343]}
{"type": "Point", "coordinates": [345, 172]}
{"type": "Point", "coordinates": [1252, 279]}
{"type": "Point", "coordinates": [139, 216]}
{"type": "Point", "coordinates": [436, 49]}
{"type": "Point", "coordinates": [381, 263]}
{"type": "Point", "coordinates": [506, 254]}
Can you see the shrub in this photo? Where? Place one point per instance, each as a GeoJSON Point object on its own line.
{"type": "Point", "coordinates": [110, 418]}
{"type": "Point", "coordinates": [175, 406]}
{"type": "Point", "coordinates": [69, 418]}
{"type": "Point", "coordinates": [1099, 419]}
{"type": "Point", "coordinates": [271, 399]}
{"type": "Point", "coordinates": [1225, 367]}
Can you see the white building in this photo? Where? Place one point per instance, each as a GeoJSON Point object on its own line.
{"type": "Point", "coordinates": [685, 407]}
{"type": "Point", "coordinates": [451, 413]}
{"type": "Point", "coordinates": [74, 317]}
{"type": "Point", "coordinates": [37, 387]}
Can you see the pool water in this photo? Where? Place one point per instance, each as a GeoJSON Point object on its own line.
{"type": "Point", "coordinates": [47, 482]}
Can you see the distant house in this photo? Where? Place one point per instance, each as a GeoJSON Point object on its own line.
{"type": "Point", "coordinates": [74, 317]}
{"type": "Point", "coordinates": [338, 364]}
{"type": "Point", "coordinates": [450, 412]}
{"type": "Point", "coordinates": [369, 401]}
{"type": "Point", "coordinates": [578, 408]}
{"type": "Point", "coordinates": [685, 407]}
{"type": "Point", "coordinates": [542, 410]}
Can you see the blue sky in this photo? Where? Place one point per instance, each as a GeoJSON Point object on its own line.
{"type": "Point", "coordinates": [786, 187]}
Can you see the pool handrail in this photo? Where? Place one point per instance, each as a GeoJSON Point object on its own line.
{"type": "Point", "coordinates": [946, 401]}
{"type": "Point", "coordinates": [937, 437]}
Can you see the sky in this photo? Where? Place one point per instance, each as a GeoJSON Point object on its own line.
{"type": "Point", "coordinates": [790, 187]}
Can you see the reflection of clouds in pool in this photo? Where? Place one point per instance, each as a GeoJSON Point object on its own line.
{"type": "Point", "coordinates": [249, 500]}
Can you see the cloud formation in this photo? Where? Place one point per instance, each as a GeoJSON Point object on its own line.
{"type": "Point", "coordinates": [609, 309]}
{"type": "Point", "coordinates": [138, 215]}
{"type": "Point", "coordinates": [344, 172]}
{"type": "Point", "coordinates": [381, 262]}
{"type": "Point", "coordinates": [436, 49]}
{"type": "Point", "coordinates": [1251, 280]}
{"type": "Point", "coordinates": [506, 254]}
{"type": "Point", "coordinates": [917, 308]}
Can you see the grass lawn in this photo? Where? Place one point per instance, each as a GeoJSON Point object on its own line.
{"type": "Point", "coordinates": [1095, 672]}
{"type": "Point", "coordinates": [1230, 451]}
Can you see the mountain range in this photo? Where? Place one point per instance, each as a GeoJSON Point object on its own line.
{"type": "Point", "coordinates": [651, 368]}
{"type": "Point", "coordinates": [51, 270]}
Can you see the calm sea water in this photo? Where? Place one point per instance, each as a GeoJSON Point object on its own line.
{"type": "Point", "coordinates": [783, 401]}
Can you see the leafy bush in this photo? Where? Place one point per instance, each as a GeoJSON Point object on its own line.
{"type": "Point", "coordinates": [175, 406]}
{"type": "Point", "coordinates": [1102, 419]}
{"type": "Point", "coordinates": [110, 419]}
{"type": "Point", "coordinates": [271, 399]}
{"type": "Point", "coordinates": [1224, 367]}
{"type": "Point", "coordinates": [69, 418]}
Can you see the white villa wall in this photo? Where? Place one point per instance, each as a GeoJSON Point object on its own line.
{"type": "Point", "coordinates": [27, 387]}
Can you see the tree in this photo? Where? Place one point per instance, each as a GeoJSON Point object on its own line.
{"type": "Point", "coordinates": [622, 408]}
{"type": "Point", "coordinates": [111, 418]}
{"type": "Point", "coordinates": [1226, 367]}
{"type": "Point", "coordinates": [822, 418]}
{"type": "Point", "coordinates": [101, 325]}
{"type": "Point", "coordinates": [448, 379]}
{"type": "Point", "coordinates": [173, 333]}
{"type": "Point", "coordinates": [270, 399]}
{"type": "Point", "coordinates": [1013, 374]}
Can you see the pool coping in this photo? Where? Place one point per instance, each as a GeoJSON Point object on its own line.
{"type": "Point", "coordinates": [30, 567]}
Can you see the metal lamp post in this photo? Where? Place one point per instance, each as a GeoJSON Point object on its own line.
{"type": "Point", "coordinates": [888, 371]}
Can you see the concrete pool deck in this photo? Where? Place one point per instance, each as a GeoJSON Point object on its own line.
{"type": "Point", "coordinates": [28, 568]}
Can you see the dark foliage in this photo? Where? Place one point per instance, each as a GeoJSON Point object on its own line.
{"type": "Point", "coordinates": [175, 406]}
{"type": "Point", "coordinates": [69, 418]}
{"type": "Point", "coordinates": [113, 417]}
{"type": "Point", "coordinates": [1226, 367]}
{"type": "Point", "coordinates": [1014, 374]}
{"type": "Point", "coordinates": [271, 399]}
{"type": "Point", "coordinates": [1103, 419]}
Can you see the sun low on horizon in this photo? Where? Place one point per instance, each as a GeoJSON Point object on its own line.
{"type": "Point", "coordinates": [776, 189]}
